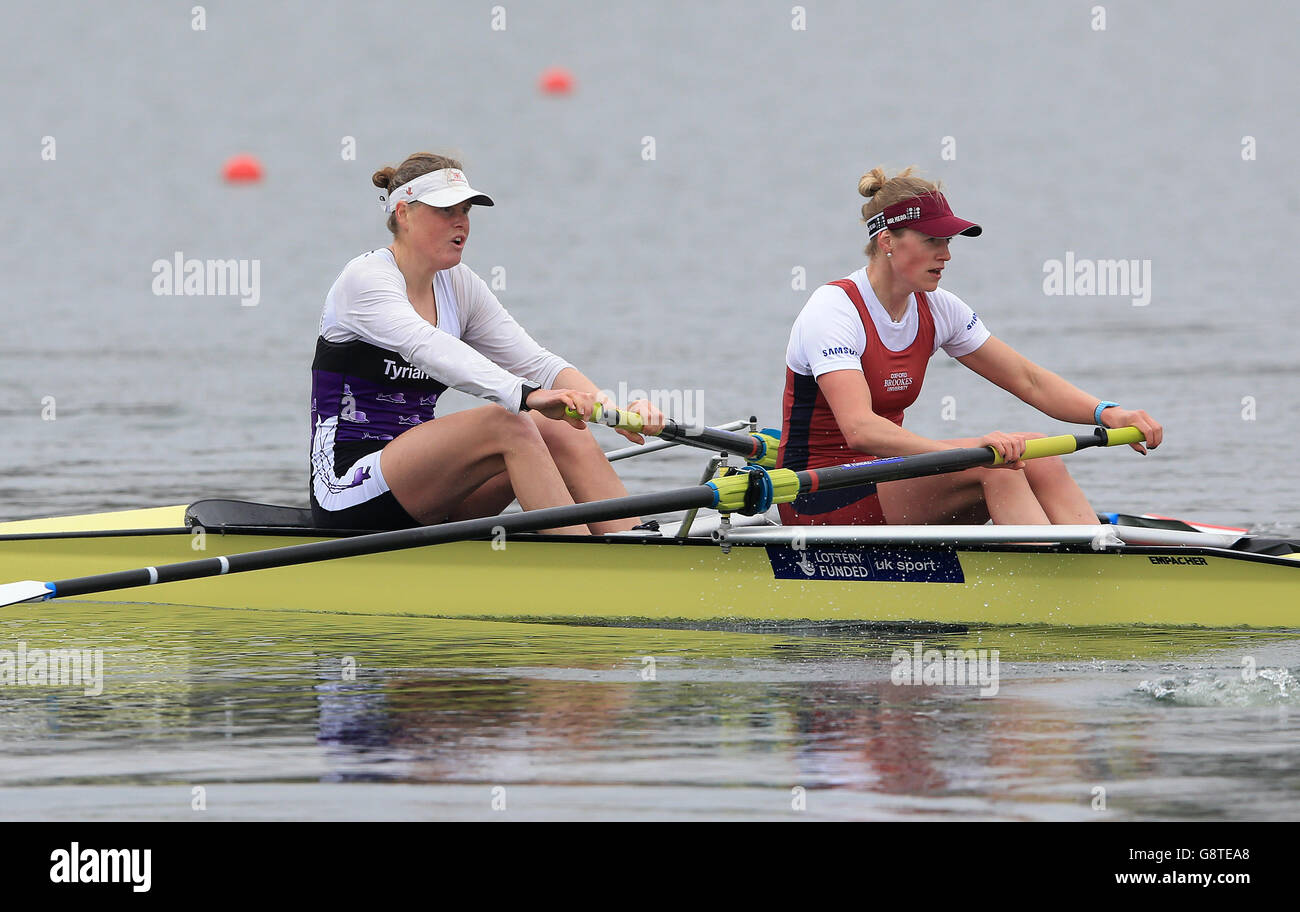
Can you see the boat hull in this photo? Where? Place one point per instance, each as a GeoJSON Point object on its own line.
{"type": "Point", "coordinates": [662, 581]}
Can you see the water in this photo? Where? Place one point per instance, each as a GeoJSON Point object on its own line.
{"type": "Point", "coordinates": [576, 722]}
{"type": "Point", "coordinates": [673, 273]}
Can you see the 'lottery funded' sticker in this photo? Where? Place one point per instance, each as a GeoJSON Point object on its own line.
{"type": "Point", "coordinates": [897, 565]}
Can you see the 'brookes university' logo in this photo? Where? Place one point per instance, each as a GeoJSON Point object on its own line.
{"type": "Point", "coordinates": [897, 381]}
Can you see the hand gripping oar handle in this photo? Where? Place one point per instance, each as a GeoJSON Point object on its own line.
{"type": "Point", "coordinates": [757, 449]}
{"type": "Point", "coordinates": [762, 489]}
{"type": "Point", "coordinates": [1069, 443]}
{"type": "Point", "coordinates": [752, 489]}
{"type": "Point", "coordinates": [938, 463]}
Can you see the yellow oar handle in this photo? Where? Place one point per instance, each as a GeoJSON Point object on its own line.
{"type": "Point", "coordinates": [1124, 435]}
{"type": "Point", "coordinates": [1067, 443]}
{"type": "Point", "coordinates": [615, 418]}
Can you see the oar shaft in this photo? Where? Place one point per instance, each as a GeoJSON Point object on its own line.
{"type": "Point", "coordinates": [654, 446]}
{"type": "Point", "coordinates": [716, 439]}
{"type": "Point", "coordinates": [941, 462]}
{"type": "Point", "coordinates": [379, 542]}
{"type": "Point", "coordinates": [759, 449]}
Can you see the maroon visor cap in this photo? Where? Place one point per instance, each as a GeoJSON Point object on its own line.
{"type": "Point", "coordinates": [929, 214]}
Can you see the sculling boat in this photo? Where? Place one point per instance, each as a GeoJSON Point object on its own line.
{"type": "Point", "coordinates": [745, 571]}
{"type": "Point", "coordinates": [734, 568]}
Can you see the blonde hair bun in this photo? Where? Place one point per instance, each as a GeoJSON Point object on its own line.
{"type": "Point", "coordinates": [884, 191]}
{"type": "Point", "coordinates": [871, 182]}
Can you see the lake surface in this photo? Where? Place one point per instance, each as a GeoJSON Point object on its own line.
{"type": "Point", "coordinates": [480, 720]}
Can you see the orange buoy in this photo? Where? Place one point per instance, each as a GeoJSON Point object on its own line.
{"type": "Point", "coordinates": [240, 169]}
{"type": "Point", "coordinates": [556, 81]}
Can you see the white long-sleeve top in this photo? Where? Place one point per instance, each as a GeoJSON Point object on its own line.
{"type": "Point", "coordinates": [477, 347]}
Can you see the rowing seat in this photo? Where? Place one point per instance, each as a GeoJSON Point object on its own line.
{"type": "Point", "coordinates": [242, 516]}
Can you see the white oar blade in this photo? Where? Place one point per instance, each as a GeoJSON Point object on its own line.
{"type": "Point", "coordinates": [26, 591]}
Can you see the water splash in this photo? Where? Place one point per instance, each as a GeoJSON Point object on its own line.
{"type": "Point", "coordinates": [1267, 687]}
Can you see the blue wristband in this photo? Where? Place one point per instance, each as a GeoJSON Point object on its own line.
{"type": "Point", "coordinates": [1101, 407]}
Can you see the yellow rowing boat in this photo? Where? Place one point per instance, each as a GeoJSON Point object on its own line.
{"type": "Point", "coordinates": [722, 574]}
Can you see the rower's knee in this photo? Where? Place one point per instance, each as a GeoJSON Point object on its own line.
{"type": "Point", "coordinates": [1000, 479]}
{"type": "Point", "coordinates": [563, 438]}
{"type": "Point", "coordinates": [1046, 468]}
{"type": "Point", "coordinates": [513, 429]}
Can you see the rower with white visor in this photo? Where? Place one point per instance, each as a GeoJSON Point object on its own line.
{"type": "Point", "coordinates": [403, 323]}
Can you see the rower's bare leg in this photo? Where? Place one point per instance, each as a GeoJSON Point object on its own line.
{"type": "Point", "coordinates": [972, 496]}
{"type": "Point", "coordinates": [945, 499]}
{"type": "Point", "coordinates": [1060, 495]}
{"type": "Point", "coordinates": [488, 499]}
{"type": "Point", "coordinates": [433, 467]}
{"type": "Point", "coordinates": [587, 474]}
{"type": "Point", "coordinates": [1009, 498]}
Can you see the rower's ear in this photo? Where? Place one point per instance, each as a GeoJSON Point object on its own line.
{"type": "Point", "coordinates": [401, 215]}
{"type": "Point", "coordinates": [889, 237]}
{"type": "Point", "coordinates": [886, 242]}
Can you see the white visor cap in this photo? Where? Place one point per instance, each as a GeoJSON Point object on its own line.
{"type": "Point", "coordinates": [436, 188]}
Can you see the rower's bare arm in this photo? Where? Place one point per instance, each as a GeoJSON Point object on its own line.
{"type": "Point", "coordinates": [1033, 384]}
{"type": "Point", "coordinates": [1051, 393]}
{"type": "Point", "coordinates": [572, 378]}
{"type": "Point", "coordinates": [555, 403]}
{"type": "Point", "coordinates": [849, 397]}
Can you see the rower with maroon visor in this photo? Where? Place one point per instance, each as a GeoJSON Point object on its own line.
{"type": "Point", "coordinates": [857, 358]}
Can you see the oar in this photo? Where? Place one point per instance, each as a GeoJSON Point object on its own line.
{"type": "Point", "coordinates": [654, 446]}
{"type": "Point", "coordinates": [750, 490]}
{"type": "Point", "coordinates": [944, 461]}
{"type": "Point", "coordinates": [757, 449]}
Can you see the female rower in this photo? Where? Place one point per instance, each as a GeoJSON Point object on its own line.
{"type": "Point", "coordinates": [405, 322]}
{"type": "Point", "coordinates": [857, 357]}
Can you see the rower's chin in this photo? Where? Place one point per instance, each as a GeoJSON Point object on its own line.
{"type": "Point", "coordinates": [450, 257]}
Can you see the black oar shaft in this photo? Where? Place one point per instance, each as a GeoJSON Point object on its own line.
{"type": "Point", "coordinates": [942, 462]}
{"type": "Point", "coordinates": [379, 542]}
{"type": "Point", "coordinates": [881, 470]}
{"type": "Point", "coordinates": [711, 439]}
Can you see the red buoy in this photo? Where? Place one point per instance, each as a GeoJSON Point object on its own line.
{"type": "Point", "coordinates": [240, 169]}
{"type": "Point", "coordinates": [556, 81]}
